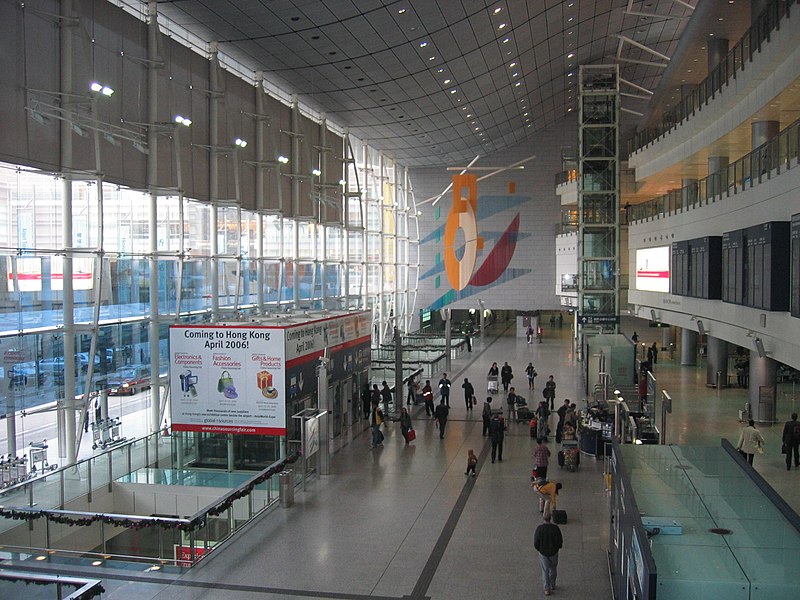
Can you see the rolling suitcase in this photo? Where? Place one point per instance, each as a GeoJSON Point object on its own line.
{"type": "Point", "coordinates": [560, 517]}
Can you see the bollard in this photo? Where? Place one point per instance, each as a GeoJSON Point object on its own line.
{"type": "Point", "coordinates": [286, 488]}
{"type": "Point", "coordinates": [719, 380]}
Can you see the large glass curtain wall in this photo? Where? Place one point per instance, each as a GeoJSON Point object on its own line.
{"type": "Point", "coordinates": [384, 258]}
{"type": "Point", "coordinates": [32, 253]}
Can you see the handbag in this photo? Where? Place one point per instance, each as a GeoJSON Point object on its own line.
{"type": "Point", "coordinates": [225, 381]}
{"type": "Point", "coordinates": [760, 449]}
{"type": "Point", "coordinates": [411, 435]}
{"type": "Point", "coordinates": [783, 448]}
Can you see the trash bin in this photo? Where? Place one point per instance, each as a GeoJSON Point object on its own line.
{"type": "Point", "coordinates": [286, 490]}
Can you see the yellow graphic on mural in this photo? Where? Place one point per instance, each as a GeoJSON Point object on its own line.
{"type": "Point", "coordinates": [462, 216]}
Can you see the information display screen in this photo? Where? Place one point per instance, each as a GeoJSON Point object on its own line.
{"type": "Point", "coordinates": [652, 269]}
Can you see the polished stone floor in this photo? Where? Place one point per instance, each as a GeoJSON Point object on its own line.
{"type": "Point", "coordinates": [404, 522]}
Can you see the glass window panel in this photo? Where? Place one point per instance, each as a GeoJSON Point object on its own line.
{"type": "Point", "coordinates": [373, 247]}
{"type": "Point", "coordinates": [288, 238]}
{"type": "Point", "coordinates": [272, 281]}
{"type": "Point", "coordinates": [389, 281]}
{"type": "Point", "coordinates": [374, 285]}
{"type": "Point", "coordinates": [197, 228]}
{"type": "Point", "coordinates": [355, 246]}
{"type": "Point", "coordinates": [373, 217]}
{"type": "Point", "coordinates": [228, 230]}
{"type": "Point", "coordinates": [306, 239]}
{"type": "Point", "coordinates": [333, 243]}
{"type": "Point", "coordinates": [354, 215]}
{"type": "Point", "coordinates": [389, 249]}
{"type": "Point", "coordinates": [355, 280]}
{"type": "Point", "coordinates": [272, 235]}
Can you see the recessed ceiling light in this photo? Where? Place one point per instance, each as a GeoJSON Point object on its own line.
{"type": "Point", "coordinates": [505, 41]}
{"type": "Point", "coordinates": [720, 19]}
{"type": "Point", "coordinates": [502, 26]}
{"type": "Point", "coordinates": [512, 65]}
{"type": "Point", "coordinates": [570, 20]}
{"type": "Point", "coordinates": [469, 115]}
{"type": "Point", "coordinates": [431, 58]}
{"type": "Point", "coordinates": [571, 55]}
{"type": "Point", "coordinates": [497, 10]}
{"type": "Point", "coordinates": [477, 128]}
{"type": "Point", "coordinates": [401, 11]}
{"type": "Point", "coordinates": [569, 33]}
{"type": "Point", "coordinates": [446, 81]}
{"type": "Point", "coordinates": [518, 84]}
{"type": "Point", "coordinates": [440, 70]}
{"type": "Point", "coordinates": [453, 91]}
{"type": "Point", "coordinates": [423, 44]}
{"type": "Point", "coordinates": [710, 35]}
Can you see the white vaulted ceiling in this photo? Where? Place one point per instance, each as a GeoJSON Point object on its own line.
{"type": "Point", "coordinates": [437, 82]}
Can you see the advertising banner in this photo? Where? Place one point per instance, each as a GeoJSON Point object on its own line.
{"type": "Point", "coordinates": [228, 379]}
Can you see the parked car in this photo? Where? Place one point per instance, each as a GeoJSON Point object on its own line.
{"type": "Point", "coordinates": [128, 381]}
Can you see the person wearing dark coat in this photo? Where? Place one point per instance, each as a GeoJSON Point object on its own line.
{"type": "Point", "coordinates": [506, 375]}
{"type": "Point", "coordinates": [497, 429]}
{"type": "Point", "coordinates": [469, 393]}
{"type": "Point", "coordinates": [441, 413]}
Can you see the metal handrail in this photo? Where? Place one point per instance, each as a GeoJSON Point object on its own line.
{"type": "Point", "coordinates": [735, 61]}
{"type": "Point", "coordinates": [86, 588]}
{"type": "Point", "coordinates": [779, 154]}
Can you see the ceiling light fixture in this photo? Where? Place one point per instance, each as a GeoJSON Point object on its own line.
{"type": "Point", "coordinates": [512, 65]}
{"type": "Point", "coordinates": [446, 81]}
{"type": "Point", "coordinates": [423, 44]}
{"type": "Point", "coordinates": [517, 84]}
{"type": "Point", "coordinates": [316, 172]}
{"type": "Point", "coordinates": [571, 55]}
{"type": "Point", "coordinates": [240, 143]}
{"type": "Point", "coordinates": [401, 11]}
{"type": "Point", "coordinates": [103, 89]}
{"type": "Point", "coordinates": [282, 159]}
{"type": "Point", "coordinates": [505, 41]}
{"type": "Point", "coordinates": [497, 10]}
{"type": "Point", "coordinates": [181, 120]}
{"type": "Point", "coordinates": [453, 91]}
{"type": "Point", "coordinates": [502, 26]}
{"type": "Point", "coordinates": [431, 58]}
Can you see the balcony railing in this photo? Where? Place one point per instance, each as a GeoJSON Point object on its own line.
{"type": "Point", "coordinates": [770, 159]}
{"type": "Point", "coordinates": [174, 541]}
{"type": "Point", "coordinates": [566, 177]}
{"type": "Point", "coordinates": [735, 61]}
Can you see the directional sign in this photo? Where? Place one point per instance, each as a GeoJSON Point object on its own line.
{"type": "Point", "coordinates": [598, 319]}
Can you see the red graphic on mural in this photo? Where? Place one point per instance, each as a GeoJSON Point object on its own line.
{"type": "Point", "coordinates": [499, 257]}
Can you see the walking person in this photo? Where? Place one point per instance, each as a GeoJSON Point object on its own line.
{"type": "Point", "coordinates": [376, 422]}
{"type": "Point", "coordinates": [427, 397]}
{"type": "Point", "coordinates": [548, 541]}
{"type": "Point", "coordinates": [650, 355]}
{"type": "Point", "coordinates": [530, 371]}
{"type": "Point", "coordinates": [386, 396]}
{"type": "Point", "coordinates": [487, 414]}
{"type": "Point", "coordinates": [469, 393]}
{"type": "Point", "coordinates": [444, 389]}
{"type": "Point", "coordinates": [497, 433]}
{"type": "Point", "coordinates": [541, 458]}
{"type": "Point", "coordinates": [549, 391]}
{"type": "Point", "coordinates": [529, 334]}
{"type": "Point", "coordinates": [542, 414]}
{"type": "Point", "coordinates": [411, 398]}
{"type": "Point", "coordinates": [365, 401]}
{"type": "Point", "coordinates": [750, 441]}
{"type": "Point", "coordinates": [791, 442]}
{"type": "Point", "coordinates": [441, 417]}
{"type": "Point", "coordinates": [506, 375]}
{"type": "Point", "coordinates": [654, 348]}
{"type": "Point", "coordinates": [511, 401]}
{"type": "Point", "coordinates": [562, 417]}
{"type": "Point", "coordinates": [405, 423]}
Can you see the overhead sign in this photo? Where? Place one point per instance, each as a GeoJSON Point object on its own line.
{"type": "Point", "coordinates": [228, 379]}
{"type": "Point", "coordinates": [598, 319]}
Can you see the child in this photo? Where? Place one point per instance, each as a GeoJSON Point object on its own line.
{"type": "Point", "coordinates": [472, 462]}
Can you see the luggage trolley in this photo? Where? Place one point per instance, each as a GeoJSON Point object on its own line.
{"type": "Point", "coordinates": [491, 384]}
{"type": "Point", "coordinates": [38, 458]}
{"type": "Point", "coordinates": [569, 457]}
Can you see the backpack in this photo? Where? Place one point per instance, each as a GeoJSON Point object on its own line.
{"type": "Point", "coordinates": [796, 434]}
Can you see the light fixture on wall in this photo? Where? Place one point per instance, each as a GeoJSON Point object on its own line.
{"type": "Point", "coordinates": [240, 143]}
{"type": "Point", "coordinates": [39, 117]}
{"type": "Point", "coordinates": [316, 172]}
{"type": "Point", "coordinates": [700, 327]}
{"type": "Point", "coordinates": [282, 159]}
{"type": "Point", "coordinates": [653, 315]}
{"type": "Point", "coordinates": [759, 346]}
{"type": "Point", "coordinates": [181, 120]}
{"type": "Point", "coordinates": [101, 89]}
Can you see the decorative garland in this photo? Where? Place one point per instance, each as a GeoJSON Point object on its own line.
{"type": "Point", "coordinates": [95, 592]}
{"type": "Point", "coordinates": [30, 514]}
